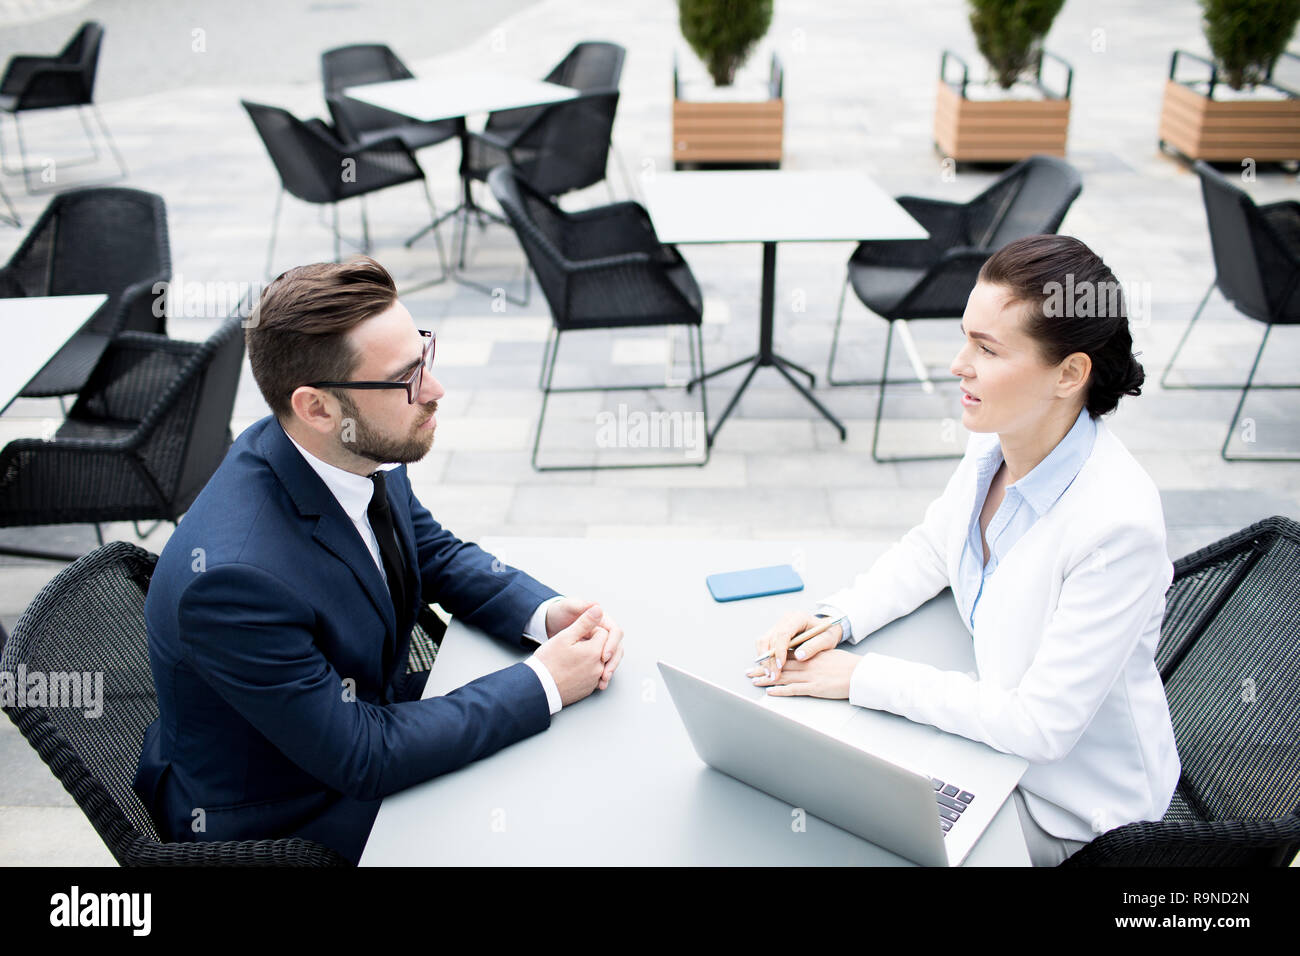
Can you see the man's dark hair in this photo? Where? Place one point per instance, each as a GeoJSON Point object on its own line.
{"type": "Point", "coordinates": [1074, 304]}
{"type": "Point", "coordinates": [296, 333]}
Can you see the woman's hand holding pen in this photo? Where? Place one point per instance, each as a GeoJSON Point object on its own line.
{"type": "Point", "coordinates": [774, 646]}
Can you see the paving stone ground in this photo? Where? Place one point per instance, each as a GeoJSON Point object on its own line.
{"type": "Point", "coordinates": [860, 86]}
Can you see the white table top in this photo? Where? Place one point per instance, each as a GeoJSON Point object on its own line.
{"type": "Point", "coordinates": [437, 98]}
{"type": "Point", "coordinates": [33, 329]}
{"type": "Point", "coordinates": [615, 780]}
{"type": "Point", "coordinates": [774, 206]}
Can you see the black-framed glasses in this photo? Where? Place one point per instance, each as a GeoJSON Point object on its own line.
{"type": "Point", "coordinates": [412, 384]}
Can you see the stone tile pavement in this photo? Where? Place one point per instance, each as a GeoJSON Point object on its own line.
{"type": "Point", "coordinates": [860, 84]}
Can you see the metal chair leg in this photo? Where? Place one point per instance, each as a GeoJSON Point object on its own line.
{"type": "Point", "coordinates": [27, 169]}
{"type": "Point", "coordinates": [365, 229]}
{"type": "Point", "coordinates": [546, 394]}
{"type": "Point", "coordinates": [1174, 358]}
{"type": "Point", "coordinates": [921, 379]}
{"type": "Point", "coordinates": [108, 138]}
{"type": "Point", "coordinates": [12, 218]}
{"type": "Point", "coordinates": [1241, 403]}
{"type": "Point", "coordinates": [880, 407]}
{"type": "Point", "coordinates": [546, 352]}
{"type": "Point", "coordinates": [275, 225]}
{"type": "Point", "coordinates": [549, 362]}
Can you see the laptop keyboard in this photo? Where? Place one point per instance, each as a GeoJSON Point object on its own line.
{"type": "Point", "coordinates": [952, 800]}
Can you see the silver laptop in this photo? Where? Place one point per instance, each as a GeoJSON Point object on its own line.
{"type": "Point", "coordinates": [910, 788]}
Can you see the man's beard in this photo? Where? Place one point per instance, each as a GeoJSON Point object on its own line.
{"type": "Point", "coordinates": [369, 443]}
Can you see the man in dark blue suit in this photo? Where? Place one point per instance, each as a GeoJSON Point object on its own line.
{"type": "Point", "coordinates": [281, 609]}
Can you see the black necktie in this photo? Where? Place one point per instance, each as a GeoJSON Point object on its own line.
{"type": "Point", "coordinates": [381, 522]}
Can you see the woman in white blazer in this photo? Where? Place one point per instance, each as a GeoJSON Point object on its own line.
{"type": "Point", "coordinates": [1052, 539]}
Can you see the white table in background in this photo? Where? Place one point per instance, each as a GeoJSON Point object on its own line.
{"type": "Point", "coordinates": [430, 99]}
{"type": "Point", "coordinates": [32, 330]}
{"type": "Point", "coordinates": [771, 206]}
{"type": "Point", "coordinates": [615, 780]}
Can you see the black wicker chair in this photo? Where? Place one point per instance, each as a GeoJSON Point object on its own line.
{"type": "Point", "coordinates": [316, 166]}
{"type": "Point", "coordinates": [601, 268]}
{"type": "Point", "coordinates": [142, 439]}
{"type": "Point", "coordinates": [90, 620]}
{"type": "Point", "coordinates": [1257, 268]}
{"type": "Point", "coordinates": [53, 82]}
{"type": "Point", "coordinates": [358, 122]}
{"type": "Point", "coordinates": [563, 147]}
{"type": "Point", "coordinates": [111, 240]}
{"type": "Point", "coordinates": [1229, 656]}
{"type": "Point", "coordinates": [906, 279]}
{"type": "Point", "coordinates": [590, 67]}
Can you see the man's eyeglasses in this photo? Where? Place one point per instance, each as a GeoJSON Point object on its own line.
{"type": "Point", "coordinates": [412, 384]}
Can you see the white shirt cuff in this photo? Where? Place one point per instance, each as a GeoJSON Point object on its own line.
{"type": "Point", "coordinates": [831, 611]}
{"type": "Point", "coordinates": [536, 629]}
{"type": "Point", "coordinates": [553, 700]}
{"type": "Point", "coordinates": [536, 632]}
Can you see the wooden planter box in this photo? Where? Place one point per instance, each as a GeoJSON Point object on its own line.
{"type": "Point", "coordinates": [1199, 127]}
{"type": "Point", "coordinates": [731, 133]}
{"type": "Point", "coordinates": [999, 130]}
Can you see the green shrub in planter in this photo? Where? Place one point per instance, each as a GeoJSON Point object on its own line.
{"type": "Point", "coordinates": [1246, 36]}
{"type": "Point", "coordinates": [723, 32]}
{"type": "Point", "coordinates": [1009, 33]}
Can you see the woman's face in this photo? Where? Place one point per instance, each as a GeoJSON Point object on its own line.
{"type": "Point", "coordinates": [1007, 385]}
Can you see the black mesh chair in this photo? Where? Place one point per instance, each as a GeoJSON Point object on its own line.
{"type": "Point", "coordinates": [1230, 660]}
{"type": "Point", "coordinates": [139, 444]}
{"type": "Point", "coordinates": [1257, 268]}
{"type": "Point", "coordinates": [358, 122]}
{"type": "Point", "coordinates": [590, 67]}
{"type": "Point", "coordinates": [565, 146]}
{"type": "Point", "coordinates": [110, 240]}
{"type": "Point", "coordinates": [54, 82]}
{"type": "Point", "coordinates": [559, 151]}
{"type": "Point", "coordinates": [932, 279]}
{"type": "Point", "coordinates": [316, 166]}
{"type": "Point", "coordinates": [601, 268]}
{"type": "Point", "coordinates": [90, 620]}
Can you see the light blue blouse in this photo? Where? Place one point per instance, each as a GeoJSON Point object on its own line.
{"type": "Point", "coordinates": [1023, 503]}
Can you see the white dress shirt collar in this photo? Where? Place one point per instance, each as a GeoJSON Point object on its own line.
{"type": "Point", "coordinates": [353, 492]}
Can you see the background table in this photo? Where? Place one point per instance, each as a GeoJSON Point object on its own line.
{"type": "Point", "coordinates": [615, 779]}
{"type": "Point", "coordinates": [34, 328]}
{"type": "Point", "coordinates": [771, 206]}
{"type": "Point", "coordinates": [441, 98]}
{"type": "Point", "coordinates": [448, 97]}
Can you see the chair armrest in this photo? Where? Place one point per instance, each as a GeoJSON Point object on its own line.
{"type": "Point", "coordinates": [1196, 843]}
{"type": "Point", "coordinates": [615, 229]}
{"type": "Point", "coordinates": [20, 68]}
{"type": "Point", "coordinates": [10, 287]}
{"type": "Point", "coordinates": [629, 289]}
{"type": "Point", "coordinates": [140, 309]}
{"type": "Point", "coordinates": [1284, 219]}
{"type": "Point", "coordinates": [503, 143]}
{"type": "Point", "coordinates": [47, 86]}
{"type": "Point", "coordinates": [943, 290]}
{"type": "Point", "coordinates": [131, 377]}
{"type": "Point", "coordinates": [945, 221]}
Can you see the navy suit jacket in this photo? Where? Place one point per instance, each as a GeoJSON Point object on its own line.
{"type": "Point", "coordinates": [279, 666]}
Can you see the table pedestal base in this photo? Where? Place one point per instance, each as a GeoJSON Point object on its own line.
{"type": "Point", "coordinates": [766, 355]}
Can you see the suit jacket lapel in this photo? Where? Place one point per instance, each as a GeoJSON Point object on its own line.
{"type": "Point", "coordinates": [334, 530]}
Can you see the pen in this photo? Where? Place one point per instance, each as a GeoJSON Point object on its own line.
{"type": "Point", "coordinates": [798, 639]}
